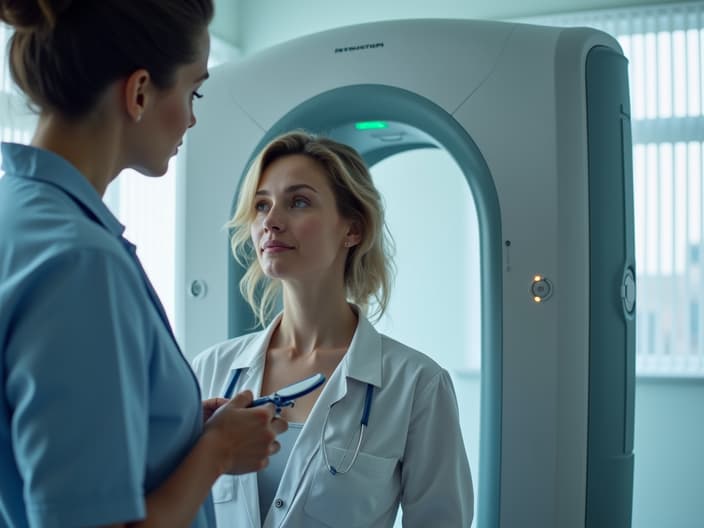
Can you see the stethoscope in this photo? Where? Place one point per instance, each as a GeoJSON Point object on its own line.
{"type": "Point", "coordinates": [286, 397]}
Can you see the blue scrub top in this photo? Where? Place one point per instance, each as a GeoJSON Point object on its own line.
{"type": "Point", "coordinates": [98, 403]}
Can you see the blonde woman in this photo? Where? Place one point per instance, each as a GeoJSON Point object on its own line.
{"type": "Point", "coordinates": [383, 431]}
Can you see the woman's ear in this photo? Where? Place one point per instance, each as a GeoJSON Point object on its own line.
{"type": "Point", "coordinates": [136, 94]}
{"type": "Point", "coordinates": [354, 235]}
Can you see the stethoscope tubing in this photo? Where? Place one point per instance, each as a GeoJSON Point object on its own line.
{"type": "Point", "coordinates": [230, 390]}
{"type": "Point", "coordinates": [364, 422]}
{"type": "Point", "coordinates": [363, 427]}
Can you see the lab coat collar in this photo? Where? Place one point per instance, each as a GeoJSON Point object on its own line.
{"type": "Point", "coordinates": [250, 361]}
{"type": "Point", "coordinates": [254, 354]}
{"type": "Point", "coordinates": [362, 361]}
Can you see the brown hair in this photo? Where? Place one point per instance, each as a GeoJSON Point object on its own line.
{"type": "Point", "coordinates": [64, 53]}
{"type": "Point", "coordinates": [369, 267]}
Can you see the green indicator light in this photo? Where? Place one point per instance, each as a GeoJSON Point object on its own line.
{"type": "Point", "coordinates": [370, 125]}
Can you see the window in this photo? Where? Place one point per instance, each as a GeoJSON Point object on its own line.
{"type": "Point", "coordinates": [16, 120]}
{"type": "Point", "coordinates": [665, 48]}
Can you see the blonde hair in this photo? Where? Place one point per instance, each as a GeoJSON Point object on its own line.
{"type": "Point", "coordinates": [369, 267]}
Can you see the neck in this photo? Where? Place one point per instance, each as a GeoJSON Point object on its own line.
{"type": "Point", "coordinates": [89, 144]}
{"type": "Point", "coordinates": [316, 321]}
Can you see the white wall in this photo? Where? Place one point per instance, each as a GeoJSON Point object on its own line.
{"type": "Point", "coordinates": [226, 23]}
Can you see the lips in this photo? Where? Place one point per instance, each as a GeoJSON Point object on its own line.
{"type": "Point", "coordinates": [275, 245]}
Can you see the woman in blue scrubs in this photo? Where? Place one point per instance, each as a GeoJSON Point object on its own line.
{"type": "Point", "coordinates": [101, 420]}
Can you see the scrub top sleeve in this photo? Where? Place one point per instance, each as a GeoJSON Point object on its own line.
{"type": "Point", "coordinates": [77, 386]}
{"type": "Point", "coordinates": [436, 480]}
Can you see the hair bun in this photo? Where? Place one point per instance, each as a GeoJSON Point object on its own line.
{"type": "Point", "coordinates": [32, 15]}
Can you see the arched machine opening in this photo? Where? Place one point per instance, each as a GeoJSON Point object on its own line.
{"type": "Point", "coordinates": [536, 119]}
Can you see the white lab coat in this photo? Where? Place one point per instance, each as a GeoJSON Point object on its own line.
{"type": "Point", "coordinates": [412, 453]}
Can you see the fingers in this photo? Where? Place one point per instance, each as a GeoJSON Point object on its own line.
{"type": "Point", "coordinates": [247, 435]}
{"type": "Point", "coordinates": [212, 404]}
{"type": "Point", "coordinates": [242, 399]}
{"type": "Point", "coordinates": [279, 425]}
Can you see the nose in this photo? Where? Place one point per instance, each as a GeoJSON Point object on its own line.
{"type": "Point", "coordinates": [192, 122]}
{"type": "Point", "coordinates": [273, 220]}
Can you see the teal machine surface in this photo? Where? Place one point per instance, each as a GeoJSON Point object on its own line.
{"type": "Point", "coordinates": [537, 119]}
{"type": "Point", "coordinates": [612, 323]}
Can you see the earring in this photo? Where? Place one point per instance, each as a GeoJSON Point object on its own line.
{"type": "Point", "coordinates": [139, 117]}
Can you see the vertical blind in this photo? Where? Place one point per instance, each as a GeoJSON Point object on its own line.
{"type": "Point", "coordinates": [16, 119]}
{"type": "Point", "coordinates": [664, 46]}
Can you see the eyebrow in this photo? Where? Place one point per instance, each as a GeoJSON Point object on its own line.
{"type": "Point", "coordinates": [203, 77]}
{"type": "Point", "coordinates": [289, 189]}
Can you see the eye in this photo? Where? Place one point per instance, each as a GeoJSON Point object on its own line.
{"type": "Point", "coordinates": [299, 203]}
{"type": "Point", "coordinates": [261, 206]}
{"type": "Point", "coordinates": [197, 95]}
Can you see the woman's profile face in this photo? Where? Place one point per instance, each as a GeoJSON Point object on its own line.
{"type": "Point", "coordinates": [171, 114]}
{"type": "Point", "coordinates": [297, 230]}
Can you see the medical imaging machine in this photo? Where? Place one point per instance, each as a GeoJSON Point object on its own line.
{"type": "Point", "coordinates": [537, 119]}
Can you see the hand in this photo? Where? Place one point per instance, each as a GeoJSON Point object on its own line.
{"type": "Point", "coordinates": [244, 438]}
{"type": "Point", "coordinates": [211, 405]}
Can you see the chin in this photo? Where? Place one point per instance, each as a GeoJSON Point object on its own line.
{"type": "Point", "coordinates": [158, 173]}
{"type": "Point", "coordinates": [153, 171]}
{"type": "Point", "coordinates": [275, 272]}
{"type": "Point", "coordinates": [271, 274]}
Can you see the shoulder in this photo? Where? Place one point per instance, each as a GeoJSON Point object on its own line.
{"type": "Point", "coordinates": [222, 354]}
{"type": "Point", "coordinates": [39, 218]}
{"type": "Point", "coordinates": [402, 354]}
{"type": "Point", "coordinates": [413, 384]}
{"type": "Point", "coordinates": [212, 367]}
{"type": "Point", "coordinates": [86, 265]}
{"type": "Point", "coordinates": [401, 360]}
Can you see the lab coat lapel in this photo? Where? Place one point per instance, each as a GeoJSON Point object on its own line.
{"type": "Point", "coordinates": [364, 355]}
{"type": "Point", "coordinates": [362, 363]}
{"type": "Point", "coordinates": [251, 365]}
{"type": "Point", "coordinates": [250, 362]}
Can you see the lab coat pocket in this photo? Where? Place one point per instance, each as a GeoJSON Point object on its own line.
{"type": "Point", "coordinates": [354, 498]}
{"type": "Point", "coordinates": [224, 489]}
